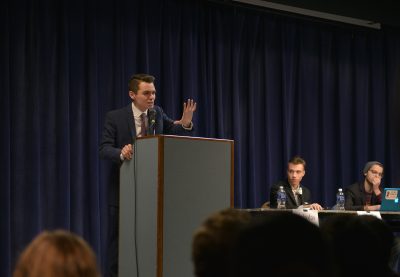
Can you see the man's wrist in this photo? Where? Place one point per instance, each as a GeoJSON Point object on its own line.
{"type": "Point", "coordinates": [188, 126]}
{"type": "Point", "coordinates": [121, 157]}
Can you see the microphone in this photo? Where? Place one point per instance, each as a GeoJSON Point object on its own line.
{"type": "Point", "coordinates": [151, 114]}
{"type": "Point", "coordinates": [300, 195]}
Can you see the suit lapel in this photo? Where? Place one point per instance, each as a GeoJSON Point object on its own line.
{"type": "Point", "coordinates": [289, 192]}
{"type": "Point", "coordinates": [292, 197]}
{"type": "Point", "coordinates": [305, 196]}
{"type": "Point", "coordinates": [131, 121]}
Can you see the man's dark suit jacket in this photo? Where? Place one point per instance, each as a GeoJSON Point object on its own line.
{"type": "Point", "coordinates": [119, 130]}
{"type": "Point", "coordinates": [290, 198]}
{"type": "Point", "coordinates": [355, 197]}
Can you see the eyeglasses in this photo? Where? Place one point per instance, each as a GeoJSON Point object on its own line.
{"type": "Point", "coordinates": [376, 173]}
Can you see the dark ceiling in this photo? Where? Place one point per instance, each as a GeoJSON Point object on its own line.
{"type": "Point", "coordinates": [386, 12]}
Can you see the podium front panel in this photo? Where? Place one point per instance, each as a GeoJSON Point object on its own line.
{"type": "Point", "coordinates": [197, 178]}
{"type": "Point", "coordinates": [166, 192]}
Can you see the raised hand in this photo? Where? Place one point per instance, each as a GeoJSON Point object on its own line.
{"type": "Point", "coordinates": [189, 108]}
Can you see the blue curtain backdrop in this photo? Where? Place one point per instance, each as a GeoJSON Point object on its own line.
{"type": "Point", "coordinates": [278, 86]}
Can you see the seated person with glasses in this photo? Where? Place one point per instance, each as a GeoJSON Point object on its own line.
{"type": "Point", "coordinates": [366, 195]}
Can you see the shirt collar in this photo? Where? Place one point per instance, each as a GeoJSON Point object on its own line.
{"type": "Point", "coordinates": [136, 111]}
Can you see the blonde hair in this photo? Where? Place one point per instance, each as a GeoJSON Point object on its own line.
{"type": "Point", "coordinates": [57, 253]}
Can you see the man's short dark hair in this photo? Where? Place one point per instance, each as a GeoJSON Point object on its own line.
{"type": "Point", "coordinates": [136, 79]}
{"type": "Point", "coordinates": [298, 160]}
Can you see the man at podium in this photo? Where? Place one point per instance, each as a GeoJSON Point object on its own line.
{"type": "Point", "coordinates": [121, 128]}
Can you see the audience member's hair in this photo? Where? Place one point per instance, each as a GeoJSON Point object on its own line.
{"type": "Point", "coordinates": [57, 253]}
{"type": "Point", "coordinates": [214, 240]}
{"type": "Point", "coordinates": [281, 244]}
{"type": "Point", "coordinates": [384, 233]}
{"type": "Point", "coordinates": [361, 245]}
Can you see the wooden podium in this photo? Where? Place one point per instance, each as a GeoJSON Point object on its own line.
{"type": "Point", "coordinates": [166, 191]}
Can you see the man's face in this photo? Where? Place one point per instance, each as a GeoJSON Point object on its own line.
{"type": "Point", "coordinates": [374, 175]}
{"type": "Point", "coordinates": [295, 173]}
{"type": "Point", "coordinates": [144, 97]}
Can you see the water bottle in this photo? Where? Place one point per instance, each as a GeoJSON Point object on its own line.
{"type": "Point", "coordinates": [340, 200]}
{"type": "Point", "coordinates": [281, 199]}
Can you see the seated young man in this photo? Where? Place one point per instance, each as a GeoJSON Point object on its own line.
{"type": "Point", "coordinates": [367, 194]}
{"type": "Point", "coordinates": [296, 194]}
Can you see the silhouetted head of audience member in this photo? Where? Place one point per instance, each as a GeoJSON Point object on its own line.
{"type": "Point", "coordinates": [214, 240]}
{"type": "Point", "coordinates": [361, 245]}
{"type": "Point", "coordinates": [281, 244]}
{"type": "Point", "coordinates": [57, 253]}
{"type": "Point", "coordinates": [384, 233]}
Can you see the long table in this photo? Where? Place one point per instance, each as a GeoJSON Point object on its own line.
{"type": "Point", "coordinates": [391, 218]}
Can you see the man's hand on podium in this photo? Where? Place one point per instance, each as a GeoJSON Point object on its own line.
{"type": "Point", "coordinates": [126, 152]}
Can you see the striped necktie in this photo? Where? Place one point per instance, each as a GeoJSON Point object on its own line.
{"type": "Point", "coordinates": [143, 125]}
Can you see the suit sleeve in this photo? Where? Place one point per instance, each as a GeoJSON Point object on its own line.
{"type": "Point", "coordinates": [173, 129]}
{"type": "Point", "coordinates": [107, 149]}
{"type": "Point", "coordinates": [350, 204]}
{"type": "Point", "coordinates": [273, 196]}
